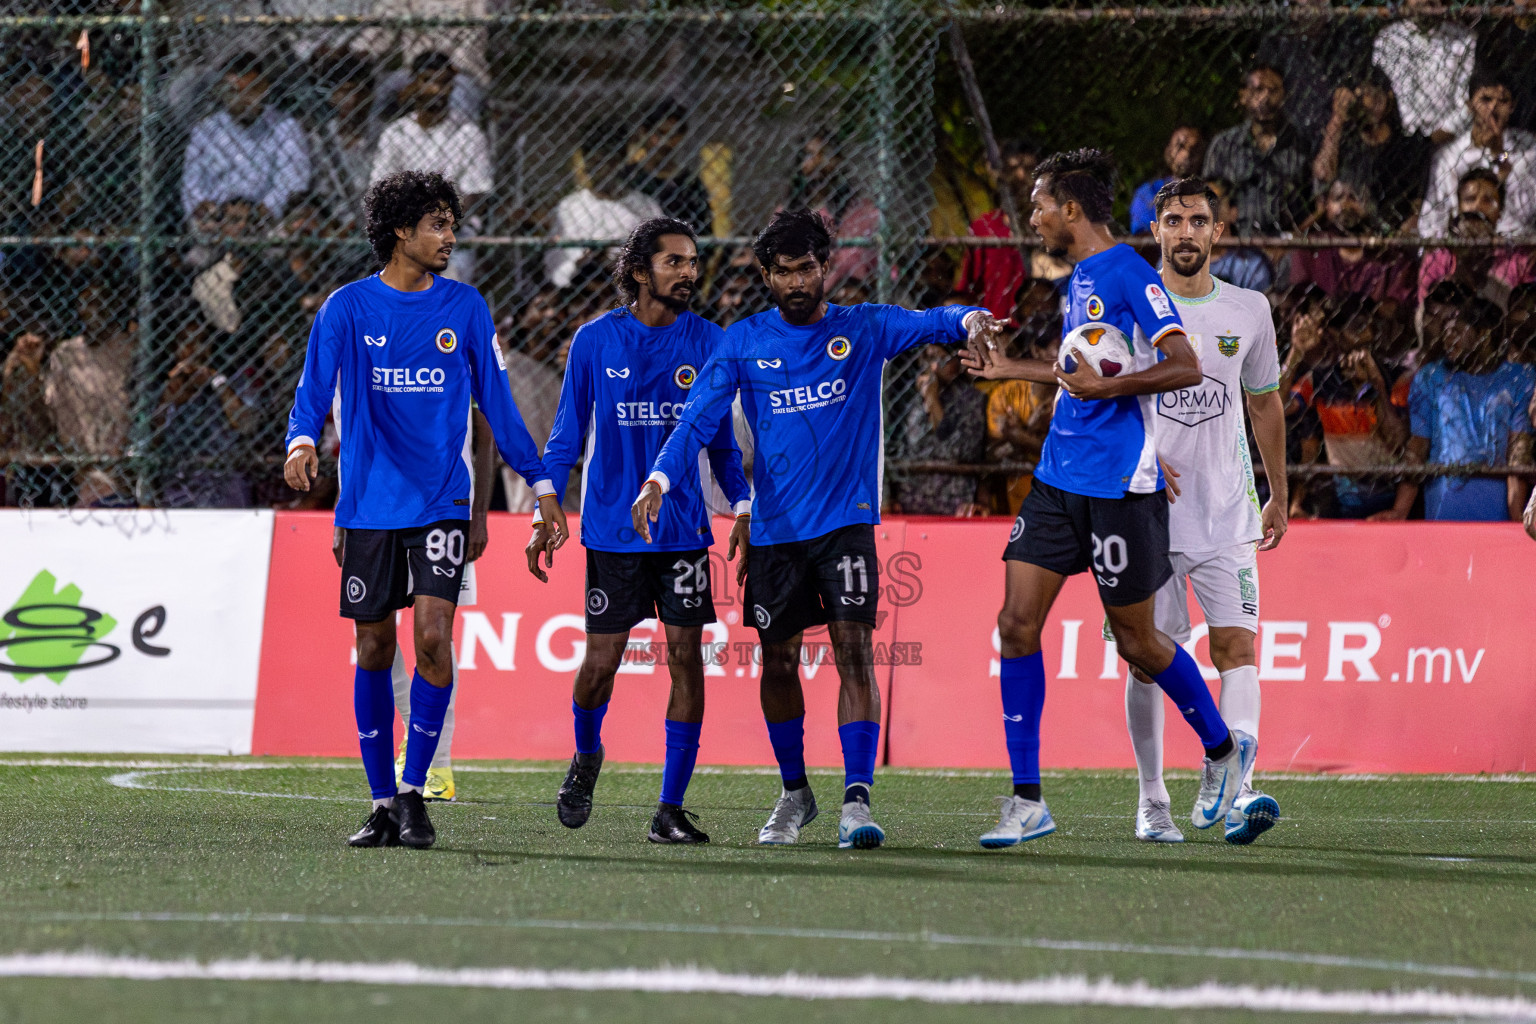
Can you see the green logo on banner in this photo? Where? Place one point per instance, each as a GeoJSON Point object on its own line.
{"type": "Point", "coordinates": [48, 632]}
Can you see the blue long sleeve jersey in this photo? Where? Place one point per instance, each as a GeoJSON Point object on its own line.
{"type": "Point", "coordinates": [812, 397]}
{"type": "Point", "coordinates": [626, 386]}
{"type": "Point", "coordinates": [405, 366]}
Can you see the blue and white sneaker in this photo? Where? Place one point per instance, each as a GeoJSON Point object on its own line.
{"type": "Point", "coordinates": [1251, 816]}
{"type": "Point", "coordinates": [1020, 821]}
{"type": "Point", "coordinates": [857, 829]}
{"type": "Point", "coordinates": [1222, 781]}
{"type": "Point", "coordinates": [1154, 823]}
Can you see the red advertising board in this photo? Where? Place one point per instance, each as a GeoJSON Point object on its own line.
{"type": "Point", "coordinates": [1383, 647]}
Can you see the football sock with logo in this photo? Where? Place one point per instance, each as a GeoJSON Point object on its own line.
{"type": "Point", "coordinates": [1182, 682]}
{"type": "Point", "coordinates": [1144, 721]}
{"type": "Point", "coordinates": [1023, 685]}
{"type": "Point", "coordinates": [682, 752]}
{"type": "Point", "coordinates": [861, 744]}
{"type": "Point", "coordinates": [375, 730]}
{"type": "Point", "coordinates": [1240, 704]}
{"type": "Point", "coordinates": [589, 727]}
{"type": "Point", "coordinates": [788, 739]}
{"type": "Point", "coordinates": [401, 678]}
{"type": "Point", "coordinates": [428, 706]}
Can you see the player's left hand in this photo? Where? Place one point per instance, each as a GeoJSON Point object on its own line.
{"type": "Point", "coordinates": [1085, 382]}
{"type": "Point", "coordinates": [541, 543]}
{"type": "Point", "coordinates": [1530, 516]}
{"type": "Point", "coordinates": [338, 544]}
{"type": "Point", "coordinates": [646, 509]}
{"type": "Point", "coordinates": [1274, 524]}
{"type": "Point", "coordinates": [479, 536]}
{"type": "Point", "coordinates": [1170, 481]}
{"type": "Point", "coordinates": [740, 533]}
{"type": "Point", "coordinates": [554, 518]}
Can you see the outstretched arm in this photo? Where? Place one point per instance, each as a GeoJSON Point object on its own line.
{"type": "Point", "coordinates": [710, 402]}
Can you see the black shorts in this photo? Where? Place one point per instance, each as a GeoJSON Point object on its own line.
{"type": "Point", "coordinates": [804, 583]}
{"type": "Point", "coordinates": [1123, 540]}
{"type": "Point", "coordinates": [381, 570]}
{"type": "Point", "coordinates": [625, 587]}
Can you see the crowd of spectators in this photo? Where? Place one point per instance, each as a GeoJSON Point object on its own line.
{"type": "Point", "coordinates": [1394, 351]}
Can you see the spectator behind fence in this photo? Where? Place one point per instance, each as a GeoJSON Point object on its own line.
{"type": "Point", "coordinates": [1509, 152]}
{"type": "Point", "coordinates": [658, 166]}
{"type": "Point", "coordinates": [1470, 408]}
{"type": "Point", "coordinates": [26, 425]}
{"type": "Point", "coordinates": [247, 149]}
{"type": "Point", "coordinates": [200, 421]}
{"type": "Point", "coordinates": [1315, 55]}
{"type": "Point", "coordinates": [1182, 156]}
{"type": "Point", "coordinates": [435, 137]}
{"type": "Point", "coordinates": [991, 275]}
{"type": "Point", "coordinates": [604, 208]}
{"type": "Point", "coordinates": [1488, 272]}
{"type": "Point", "coordinates": [1350, 414]}
{"type": "Point", "coordinates": [1241, 265]}
{"type": "Point", "coordinates": [35, 112]}
{"type": "Point", "coordinates": [86, 387]}
{"type": "Point", "coordinates": [1429, 59]}
{"type": "Point", "coordinates": [1382, 274]}
{"type": "Point", "coordinates": [1364, 142]}
{"type": "Point", "coordinates": [1506, 45]}
{"type": "Point", "coordinates": [529, 348]}
{"type": "Point", "coordinates": [345, 142]}
{"type": "Point", "coordinates": [1019, 411]}
{"type": "Point", "coordinates": [947, 423]}
{"type": "Point", "coordinates": [1266, 158]}
{"type": "Point", "coordinates": [1517, 334]}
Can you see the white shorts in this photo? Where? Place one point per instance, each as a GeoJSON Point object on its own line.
{"type": "Point", "coordinates": [1226, 584]}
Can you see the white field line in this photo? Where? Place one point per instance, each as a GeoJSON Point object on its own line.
{"type": "Point", "coordinates": [1057, 990]}
{"type": "Point", "coordinates": [924, 773]}
{"type": "Point", "coordinates": [759, 932]}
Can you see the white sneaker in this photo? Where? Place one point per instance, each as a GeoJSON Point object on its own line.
{"type": "Point", "coordinates": [857, 829]}
{"type": "Point", "coordinates": [794, 811]}
{"type": "Point", "coordinates": [1154, 823]}
{"type": "Point", "coordinates": [1222, 781]}
{"type": "Point", "coordinates": [1020, 821]}
{"type": "Point", "coordinates": [1252, 815]}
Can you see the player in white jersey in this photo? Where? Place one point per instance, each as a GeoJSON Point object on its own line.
{"type": "Point", "coordinates": [1215, 526]}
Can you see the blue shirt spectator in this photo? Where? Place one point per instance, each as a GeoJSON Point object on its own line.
{"type": "Point", "coordinates": [1182, 157]}
{"type": "Point", "coordinates": [1470, 418]}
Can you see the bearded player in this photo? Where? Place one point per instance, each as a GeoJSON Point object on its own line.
{"type": "Point", "coordinates": [1098, 501]}
{"type": "Point", "coordinates": [1215, 527]}
{"type": "Point", "coordinates": [407, 350]}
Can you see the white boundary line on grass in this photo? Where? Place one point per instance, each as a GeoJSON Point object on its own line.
{"type": "Point", "coordinates": [755, 931]}
{"type": "Point", "coordinates": [1056, 990]}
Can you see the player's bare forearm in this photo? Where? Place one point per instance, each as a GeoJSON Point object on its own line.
{"type": "Point", "coordinates": [1001, 367]}
{"type": "Point", "coordinates": [1519, 455]}
{"type": "Point", "coordinates": [1267, 411]}
{"type": "Point", "coordinates": [483, 460]}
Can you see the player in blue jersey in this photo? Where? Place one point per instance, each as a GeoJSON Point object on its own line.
{"type": "Point", "coordinates": [1098, 500]}
{"type": "Point", "coordinates": [627, 381]}
{"type": "Point", "coordinates": [809, 376]}
{"type": "Point", "coordinates": [406, 350]}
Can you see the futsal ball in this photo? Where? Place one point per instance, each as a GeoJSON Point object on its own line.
{"type": "Point", "coordinates": [1100, 345]}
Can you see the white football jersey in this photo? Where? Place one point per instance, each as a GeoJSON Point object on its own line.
{"type": "Point", "coordinates": [1200, 430]}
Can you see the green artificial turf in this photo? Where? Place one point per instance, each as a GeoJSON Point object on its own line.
{"type": "Point", "coordinates": [1407, 882]}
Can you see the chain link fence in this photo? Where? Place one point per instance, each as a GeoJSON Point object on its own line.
{"type": "Point", "coordinates": [181, 182]}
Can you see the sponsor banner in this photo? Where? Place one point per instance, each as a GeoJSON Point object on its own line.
{"type": "Point", "coordinates": [1382, 647]}
{"type": "Point", "coordinates": [131, 631]}
{"type": "Point", "coordinates": [517, 648]}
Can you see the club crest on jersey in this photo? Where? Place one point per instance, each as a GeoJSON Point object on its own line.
{"type": "Point", "coordinates": [684, 376]}
{"type": "Point", "coordinates": [446, 340]}
{"type": "Point", "coordinates": [1158, 299]}
{"type": "Point", "coordinates": [1095, 307]}
{"type": "Point", "coordinates": [839, 347]}
{"type": "Point", "coordinates": [1226, 344]}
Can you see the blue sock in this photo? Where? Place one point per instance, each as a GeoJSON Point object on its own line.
{"type": "Point", "coordinates": [788, 739]}
{"type": "Point", "coordinates": [861, 742]}
{"type": "Point", "coordinates": [682, 752]}
{"type": "Point", "coordinates": [373, 702]}
{"type": "Point", "coordinates": [1182, 683]}
{"type": "Point", "coordinates": [589, 727]}
{"type": "Point", "coordinates": [1023, 684]}
{"type": "Point", "coordinates": [429, 706]}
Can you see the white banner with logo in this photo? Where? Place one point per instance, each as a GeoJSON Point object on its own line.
{"type": "Point", "coordinates": [131, 631]}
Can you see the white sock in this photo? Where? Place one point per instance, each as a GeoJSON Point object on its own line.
{"type": "Point", "coordinates": [388, 801]}
{"type": "Point", "coordinates": [406, 787]}
{"type": "Point", "coordinates": [1144, 721]}
{"type": "Point", "coordinates": [401, 678]}
{"type": "Point", "coordinates": [1240, 705]}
